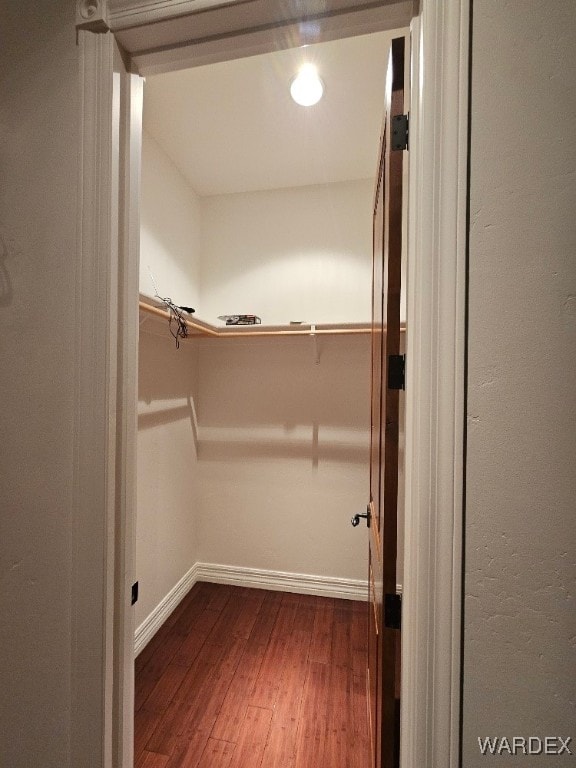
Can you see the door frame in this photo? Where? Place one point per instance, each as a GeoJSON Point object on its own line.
{"type": "Point", "coordinates": [106, 375]}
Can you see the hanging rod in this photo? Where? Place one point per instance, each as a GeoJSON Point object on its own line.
{"type": "Point", "coordinates": [222, 333]}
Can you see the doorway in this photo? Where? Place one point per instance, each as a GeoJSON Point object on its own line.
{"type": "Point", "coordinates": [252, 473]}
{"type": "Point", "coordinates": [296, 254]}
{"type": "Point", "coordinates": [437, 216]}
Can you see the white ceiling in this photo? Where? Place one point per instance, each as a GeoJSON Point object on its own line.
{"type": "Point", "coordinates": [233, 127]}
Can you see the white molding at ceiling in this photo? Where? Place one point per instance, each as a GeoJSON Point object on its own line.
{"type": "Point", "coordinates": [92, 15]}
{"type": "Point", "coordinates": [131, 13]}
{"type": "Point", "coordinates": [261, 41]}
{"type": "Point", "coordinates": [163, 36]}
{"type": "Point", "coordinates": [431, 631]}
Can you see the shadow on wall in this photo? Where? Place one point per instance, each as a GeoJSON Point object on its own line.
{"type": "Point", "coordinates": [230, 448]}
{"type": "Point", "coordinates": [165, 374]}
{"type": "Point", "coordinates": [262, 382]}
{"type": "Point", "coordinates": [269, 400]}
{"type": "Point", "coordinates": [238, 450]}
{"type": "Point", "coordinates": [164, 416]}
{"type": "Point", "coordinates": [261, 399]}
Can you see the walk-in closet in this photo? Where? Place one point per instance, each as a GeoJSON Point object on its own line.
{"type": "Point", "coordinates": [254, 409]}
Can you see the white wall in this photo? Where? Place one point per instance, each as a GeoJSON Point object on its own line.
{"type": "Point", "coordinates": [170, 229]}
{"type": "Point", "coordinates": [521, 480]}
{"type": "Point", "coordinates": [284, 454]}
{"type": "Point", "coordinates": [167, 505]}
{"type": "Point", "coordinates": [38, 200]}
{"type": "Point", "coordinates": [278, 254]}
{"type": "Point", "coordinates": [302, 253]}
{"type": "Point", "coordinates": [168, 511]}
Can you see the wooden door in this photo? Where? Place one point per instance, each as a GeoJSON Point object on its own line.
{"type": "Point", "coordinates": [384, 646]}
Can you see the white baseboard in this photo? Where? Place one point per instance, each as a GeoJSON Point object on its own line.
{"type": "Point", "coordinates": [302, 583]}
{"type": "Point", "coordinates": [152, 623]}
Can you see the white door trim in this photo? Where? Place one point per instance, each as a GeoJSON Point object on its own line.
{"type": "Point", "coordinates": [431, 631]}
{"type": "Point", "coordinates": [95, 407]}
{"type": "Point", "coordinates": [130, 153]}
{"type": "Point", "coordinates": [106, 390]}
{"type": "Point", "coordinates": [434, 396]}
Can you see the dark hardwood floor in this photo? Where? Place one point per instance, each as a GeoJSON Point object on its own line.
{"type": "Point", "coordinates": [248, 678]}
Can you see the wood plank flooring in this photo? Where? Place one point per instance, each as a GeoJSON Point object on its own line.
{"type": "Point", "coordinates": [248, 678]}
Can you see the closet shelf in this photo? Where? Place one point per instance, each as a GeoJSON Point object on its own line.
{"type": "Point", "coordinates": [206, 330]}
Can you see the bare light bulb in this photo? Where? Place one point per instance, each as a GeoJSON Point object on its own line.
{"type": "Point", "coordinates": [306, 88]}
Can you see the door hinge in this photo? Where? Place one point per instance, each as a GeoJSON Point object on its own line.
{"type": "Point", "coordinates": [396, 371]}
{"type": "Point", "coordinates": [134, 593]}
{"type": "Point", "coordinates": [392, 611]}
{"type": "Point", "coordinates": [399, 138]}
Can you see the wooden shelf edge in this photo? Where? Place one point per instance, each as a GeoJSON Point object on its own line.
{"type": "Point", "coordinates": [206, 330]}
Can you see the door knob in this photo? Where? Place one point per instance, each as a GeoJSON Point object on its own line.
{"type": "Point", "coordinates": [356, 519]}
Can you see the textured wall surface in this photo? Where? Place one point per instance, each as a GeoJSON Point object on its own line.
{"type": "Point", "coordinates": [520, 560]}
{"type": "Point", "coordinates": [519, 641]}
{"type": "Point", "coordinates": [38, 159]}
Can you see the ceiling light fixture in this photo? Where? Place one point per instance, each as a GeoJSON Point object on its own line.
{"type": "Point", "coordinates": [306, 88]}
